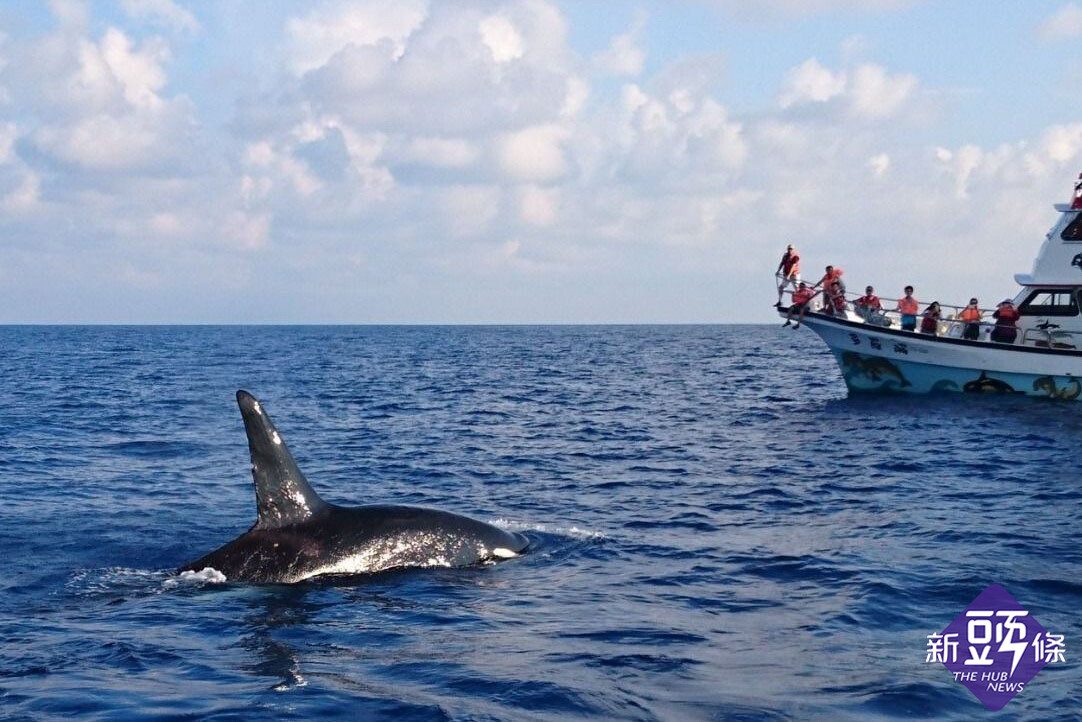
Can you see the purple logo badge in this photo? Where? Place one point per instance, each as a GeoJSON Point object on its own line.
{"type": "Point", "coordinates": [995, 647]}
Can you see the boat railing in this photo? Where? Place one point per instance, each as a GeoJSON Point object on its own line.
{"type": "Point", "coordinates": [1044, 335]}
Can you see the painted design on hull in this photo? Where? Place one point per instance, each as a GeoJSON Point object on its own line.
{"type": "Point", "coordinates": [872, 372]}
{"type": "Point", "coordinates": [984, 384]}
{"type": "Point", "coordinates": [933, 365]}
{"type": "Point", "coordinates": [1047, 386]}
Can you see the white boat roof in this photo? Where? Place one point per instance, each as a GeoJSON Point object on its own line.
{"type": "Point", "coordinates": [1059, 261]}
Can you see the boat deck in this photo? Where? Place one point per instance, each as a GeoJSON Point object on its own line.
{"type": "Point", "coordinates": [1044, 334]}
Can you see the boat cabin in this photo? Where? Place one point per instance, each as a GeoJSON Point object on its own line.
{"type": "Point", "coordinates": [1049, 299]}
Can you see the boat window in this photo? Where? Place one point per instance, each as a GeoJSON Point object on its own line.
{"type": "Point", "coordinates": [1073, 231]}
{"type": "Point", "coordinates": [1050, 302]}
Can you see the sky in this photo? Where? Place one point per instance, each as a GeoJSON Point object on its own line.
{"type": "Point", "coordinates": [522, 161]}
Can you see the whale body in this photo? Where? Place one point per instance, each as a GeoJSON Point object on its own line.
{"type": "Point", "coordinates": [298, 536]}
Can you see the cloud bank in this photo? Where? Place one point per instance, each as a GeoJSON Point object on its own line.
{"type": "Point", "coordinates": [463, 162]}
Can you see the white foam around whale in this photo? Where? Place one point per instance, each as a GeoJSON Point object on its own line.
{"type": "Point", "coordinates": [207, 575]}
{"type": "Point", "coordinates": [572, 531]}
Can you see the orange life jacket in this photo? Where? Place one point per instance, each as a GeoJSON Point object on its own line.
{"type": "Point", "coordinates": [1006, 315]}
{"type": "Point", "coordinates": [871, 301]}
{"type": "Point", "coordinates": [790, 264]}
{"type": "Point", "coordinates": [970, 314]}
{"type": "Point", "coordinates": [908, 306]}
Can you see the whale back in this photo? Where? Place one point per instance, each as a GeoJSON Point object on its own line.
{"type": "Point", "coordinates": [283, 496]}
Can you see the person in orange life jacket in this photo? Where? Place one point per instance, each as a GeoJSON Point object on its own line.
{"type": "Point", "coordinates": [788, 273]}
{"type": "Point", "coordinates": [907, 306]}
{"type": "Point", "coordinates": [832, 274]}
{"type": "Point", "coordinates": [929, 320]}
{"type": "Point", "coordinates": [870, 300]}
{"type": "Point", "coordinates": [1006, 316]}
{"type": "Point", "coordinates": [835, 299]}
{"type": "Point", "coordinates": [971, 316]}
{"type": "Point", "coordinates": [868, 303]}
{"type": "Point", "coordinates": [801, 296]}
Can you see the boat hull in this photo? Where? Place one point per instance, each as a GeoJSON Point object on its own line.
{"type": "Point", "coordinates": [872, 358]}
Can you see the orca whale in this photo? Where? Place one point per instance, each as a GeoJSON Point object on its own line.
{"type": "Point", "coordinates": [299, 536]}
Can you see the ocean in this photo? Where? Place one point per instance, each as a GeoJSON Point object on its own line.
{"type": "Point", "coordinates": [718, 531]}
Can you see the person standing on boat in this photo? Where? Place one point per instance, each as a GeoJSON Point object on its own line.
{"type": "Point", "coordinates": [1006, 316]}
{"type": "Point", "coordinates": [971, 316]}
{"type": "Point", "coordinates": [929, 320]}
{"type": "Point", "coordinates": [908, 307]}
{"type": "Point", "coordinates": [832, 275]}
{"type": "Point", "coordinates": [788, 273]}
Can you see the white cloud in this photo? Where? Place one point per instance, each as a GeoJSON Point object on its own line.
{"type": "Point", "coordinates": [140, 72]}
{"type": "Point", "coordinates": [1055, 149]}
{"type": "Point", "coordinates": [501, 38]}
{"type": "Point", "coordinates": [166, 223]}
{"type": "Point", "coordinates": [1064, 24]}
{"type": "Point", "coordinates": [9, 133]}
{"type": "Point", "coordinates": [269, 167]}
{"type": "Point", "coordinates": [25, 197]}
{"type": "Point", "coordinates": [246, 231]}
{"type": "Point", "coordinates": [961, 164]}
{"type": "Point", "coordinates": [470, 210]}
{"type": "Point", "coordinates": [877, 94]}
{"type": "Point", "coordinates": [810, 82]}
{"type": "Point", "coordinates": [879, 164]}
{"type": "Point", "coordinates": [855, 47]}
{"type": "Point", "coordinates": [578, 92]}
{"type": "Point", "coordinates": [1061, 143]}
{"type": "Point", "coordinates": [163, 12]}
{"type": "Point", "coordinates": [624, 57]}
{"type": "Point", "coordinates": [100, 141]}
{"type": "Point", "coordinates": [100, 103]}
{"type": "Point", "coordinates": [441, 152]}
{"type": "Point", "coordinates": [684, 140]}
{"type": "Point", "coordinates": [71, 14]}
{"type": "Point", "coordinates": [419, 161]}
{"type": "Point", "coordinates": [799, 8]}
{"type": "Point", "coordinates": [454, 79]}
{"type": "Point", "coordinates": [318, 36]}
{"type": "Point", "coordinates": [260, 154]}
{"type": "Point", "coordinates": [534, 153]}
{"type": "Point", "coordinates": [539, 206]}
{"type": "Point", "coordinates": [868, 91]}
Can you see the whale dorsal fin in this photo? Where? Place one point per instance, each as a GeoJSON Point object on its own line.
{"type": "Point", "coordinates": [283, 496]}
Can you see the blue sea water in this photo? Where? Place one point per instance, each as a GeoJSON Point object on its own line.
{"type": "Point", "coordinates": [718, 532]}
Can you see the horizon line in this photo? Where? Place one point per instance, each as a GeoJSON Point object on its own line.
{"type": "Point", "coordinates": [196, 324]}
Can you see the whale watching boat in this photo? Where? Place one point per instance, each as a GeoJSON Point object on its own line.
{"type": "Point", "coordinates": [1043, 359]}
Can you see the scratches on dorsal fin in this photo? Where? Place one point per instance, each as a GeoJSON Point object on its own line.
{"type": "Point", "coordinates": [283, 496]}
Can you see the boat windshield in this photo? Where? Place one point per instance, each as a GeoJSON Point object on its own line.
{"type": "Point", "coordinates": [1050, 302]}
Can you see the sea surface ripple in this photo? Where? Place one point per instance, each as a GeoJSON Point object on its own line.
{"type": "Point", "coordinates": [718, 532]}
